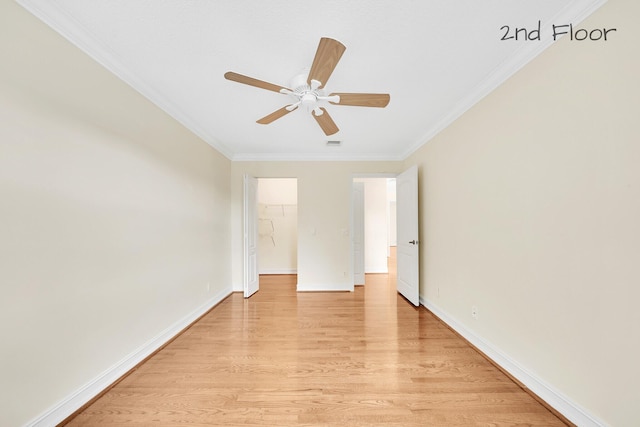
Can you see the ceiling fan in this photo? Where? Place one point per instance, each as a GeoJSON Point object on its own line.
{"type": "Point", "coordinates": [309, 89]}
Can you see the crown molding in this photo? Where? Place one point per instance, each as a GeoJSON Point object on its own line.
{"type": "Point", "coordinates": [55, 17]}
{"type": "Point", "coordinates": [575, 12]}
{"type": "Point", "coordinates": [315, 157]}
{"type": "Point", "coordinates": [81, 37]}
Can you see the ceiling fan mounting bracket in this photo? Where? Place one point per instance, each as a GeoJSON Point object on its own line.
{"type": "Point", "coordinates": [299, 82]}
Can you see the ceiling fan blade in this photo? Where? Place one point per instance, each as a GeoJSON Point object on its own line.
{"type": "Point", "coordinates": [327, 56]}
{"type": "Point", "coordinates": [230, 75]}
{"type": "Point", "coordinates": [326, 122]}
{"type": "Point", "coordinates": [275, 115]}
{"type": "Point", "coordinates": [379, 100]}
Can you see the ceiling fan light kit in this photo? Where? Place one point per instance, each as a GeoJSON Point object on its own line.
{"type": "Point", "coordinates": [308, 89]}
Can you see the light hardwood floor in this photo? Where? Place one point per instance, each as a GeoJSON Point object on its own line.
{"type": "Point", "coordinates": [283, 358]}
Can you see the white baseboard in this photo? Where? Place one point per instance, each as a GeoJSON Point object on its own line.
{"type": "Point", "coordinates": [324, 287]}
{"type": "Point", "coordinates": [278, 271]}
{"type": "Point", "coordinates": [376, 271]}
{"type": "Point", "coordinates": [74, 401]}
{"type": "Point", "coordinates": [561, 403]}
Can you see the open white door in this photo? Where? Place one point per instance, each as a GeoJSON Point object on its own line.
{"type": "Point", "coordinates": [407, 235]}
{"type": "Point", "coordinates": [251, 278]}
{"type": "Point", "coordinates": [358, 233]}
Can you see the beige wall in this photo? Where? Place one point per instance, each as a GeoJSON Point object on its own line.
{"type": "Point", "coordinates": [324, 205]}
{"type": "Point", "coordinates": [111, 230]}
{"type": "Point", "coordinates": [113, 219]}
{"type": "Point", "coordinates": [530, 210]}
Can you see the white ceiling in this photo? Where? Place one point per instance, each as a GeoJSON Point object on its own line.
{"type": "Point", "coordinates": [436, 58]}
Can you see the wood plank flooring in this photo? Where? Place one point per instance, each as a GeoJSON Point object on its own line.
{"type": "Point", "coordinates": [283, 358]}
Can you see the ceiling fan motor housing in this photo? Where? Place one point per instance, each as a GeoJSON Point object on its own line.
{"type": "Point", "coordinates": [306, 95]}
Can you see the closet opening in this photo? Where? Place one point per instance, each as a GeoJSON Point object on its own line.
{"type": "Point", "coordinates": [278, 230]}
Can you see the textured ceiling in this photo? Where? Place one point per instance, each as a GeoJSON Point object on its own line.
{"type": "Point", "coordinates": [436, 58]}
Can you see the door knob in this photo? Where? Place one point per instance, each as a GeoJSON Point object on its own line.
{"type": "Point", "coordinates": [414, 242]}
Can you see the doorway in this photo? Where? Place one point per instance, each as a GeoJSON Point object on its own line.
{"type": "Point", "coordinates": [374, 226]}
{"type": "Point", "coordinates": [277, 226]}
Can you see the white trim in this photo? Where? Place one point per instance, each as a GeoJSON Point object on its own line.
{"type": "Point", "coordinates": [84, 394]}
{"type": "Point", "coordinates": [279, 271]}
{"type": "Point", "coordinates": [354, 177]}
{"type": "Point", "coordinates": [377, 270]}
{"type": "Point", "coordinates": [57, 18]}
{"type": "Point", "coordinates": [571, 410]}
{"type": "Point", "coordinates": [575, 12]}
{"type": "Point", "coordinates": [63, 23]}
{"type": "Point", "coordinates": [374, 175]}
{"type": "Point", "coordinates": [324, 287]}
{"type": "Point", "coordinates": [315, 157]}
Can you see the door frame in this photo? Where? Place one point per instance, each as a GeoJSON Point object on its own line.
{"type": "Point", "coordinates": [245, 226]}
{"type": "Point", "coordinates": [354, 176]}
{"type": "Point", "coordinates": [357, 232]}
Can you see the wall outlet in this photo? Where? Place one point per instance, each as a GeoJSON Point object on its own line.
{"type": "Point", "coordinates": [474, 312]}
{"type": "Point", "coordinates": [208, 286]}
